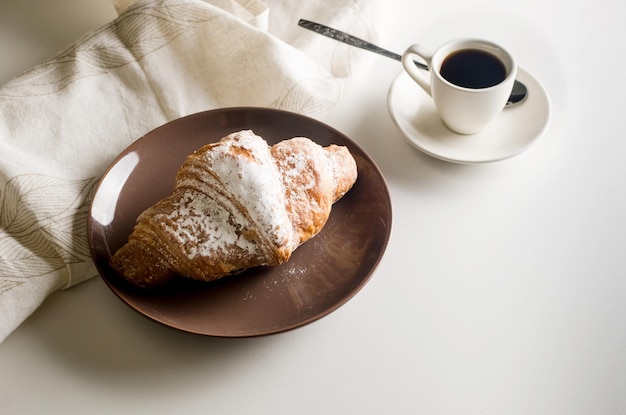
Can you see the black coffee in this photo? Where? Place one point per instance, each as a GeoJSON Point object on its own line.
{"type": "Point", "coordinates": [473, 68]}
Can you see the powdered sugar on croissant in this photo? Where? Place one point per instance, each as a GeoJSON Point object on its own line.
{"type": "Point", "coordinates": [237, 203]}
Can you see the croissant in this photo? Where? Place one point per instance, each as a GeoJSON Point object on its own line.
{"type": "Point", "coordinates": [236, 204]}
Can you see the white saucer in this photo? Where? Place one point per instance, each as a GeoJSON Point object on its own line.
{"type": "Point", "coordinates": [513, 132]}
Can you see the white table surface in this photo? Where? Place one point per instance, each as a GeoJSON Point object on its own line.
{"type": "Point", "coordinates": [503, 289]}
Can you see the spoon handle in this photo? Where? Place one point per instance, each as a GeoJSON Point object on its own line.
{"type": "Point", "coordinates": [351, 40]}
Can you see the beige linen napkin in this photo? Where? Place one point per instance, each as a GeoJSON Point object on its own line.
{"type": "Point", "coordinates": [64, 121]}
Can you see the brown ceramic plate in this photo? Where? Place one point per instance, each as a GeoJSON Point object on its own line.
{"type": "Point", "coordinates": [321, 275]}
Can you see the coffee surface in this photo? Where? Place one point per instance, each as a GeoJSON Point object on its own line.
{"type": "Point", "coordinates": [473, 68]}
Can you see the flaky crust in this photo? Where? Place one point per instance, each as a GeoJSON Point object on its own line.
{"type": "Point", "coordinates": [236, 204]}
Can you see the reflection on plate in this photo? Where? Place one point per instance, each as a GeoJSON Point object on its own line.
{"type": "Point", "coordinates": [321, 275]}
{"type": "Point", "coordinates": [513, 132]}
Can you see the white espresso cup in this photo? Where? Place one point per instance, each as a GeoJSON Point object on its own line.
{"type": "Point", "coordinates": [470, 81]}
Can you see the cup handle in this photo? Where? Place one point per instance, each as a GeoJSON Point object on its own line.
{"type": "Point", "coordinates": [421, 76]}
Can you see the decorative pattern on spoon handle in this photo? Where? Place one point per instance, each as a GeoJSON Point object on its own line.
{"type": "Point", "coordinates": [350, 40]}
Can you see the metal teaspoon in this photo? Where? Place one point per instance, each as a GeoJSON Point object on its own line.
{"type": "Point", "coordinates": [518, 94]}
